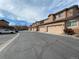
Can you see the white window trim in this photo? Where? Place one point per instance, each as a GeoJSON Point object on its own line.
{"type": "Point", "coordinates": [72, 26]}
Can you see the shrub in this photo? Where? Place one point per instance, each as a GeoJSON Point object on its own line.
{"type": "Point", "coordinates": [69, 31]}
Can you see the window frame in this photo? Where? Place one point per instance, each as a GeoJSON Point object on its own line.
{"type": "Point", "coordinates": [71, 23]}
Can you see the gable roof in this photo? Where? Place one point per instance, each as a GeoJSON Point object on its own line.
{"type": "Point", "coordinates": [74, 6]}
{"type": "Point", "coordinates": [4, 20]}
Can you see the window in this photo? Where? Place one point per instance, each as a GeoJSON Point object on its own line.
{"type": "Point", "coordinates": [72, 23]}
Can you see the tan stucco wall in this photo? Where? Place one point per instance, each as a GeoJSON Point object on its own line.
{"type": "Point", "coordinates": [70, 12]}
{"type": "Point", "coordinates": [76, 30]}
{"type": "Point", "coordinates": [62, 15]}
{"type": "Point", "coordinates": [50, 19]}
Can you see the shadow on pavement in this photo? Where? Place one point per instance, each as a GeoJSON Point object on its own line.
{"type": "Point", "coordinates": [6, 33]}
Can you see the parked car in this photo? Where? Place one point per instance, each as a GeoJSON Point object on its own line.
{"type": "Point", "coordinates": [7, 31]}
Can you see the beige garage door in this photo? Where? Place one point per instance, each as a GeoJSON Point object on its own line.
{"type": "Point", "coordinates": [42, 29]}
{"type": "Point", "coordinates": [34, 29]}
{"type": "Point", "coordinates": [56, 29]}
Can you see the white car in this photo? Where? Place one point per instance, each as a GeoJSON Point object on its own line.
{"type": "Point", "coordinates": [7, 31]}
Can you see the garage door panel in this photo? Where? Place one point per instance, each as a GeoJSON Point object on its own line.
{"type": "Point", "coordinates": [42, 29]}
{"type": "Point", "coordinates": [55, 29]}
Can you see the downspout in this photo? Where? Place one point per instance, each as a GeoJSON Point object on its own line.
{"type": "Point", "coordinates": [65, 26]}
{"type": "Point", "coordinates": [66, 20]}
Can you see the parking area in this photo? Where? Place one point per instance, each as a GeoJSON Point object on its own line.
{"type": "Point", "coordinates": [6, 37]}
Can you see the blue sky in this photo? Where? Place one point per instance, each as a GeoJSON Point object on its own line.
{"type": "Point", "coordinates": [33, 10]}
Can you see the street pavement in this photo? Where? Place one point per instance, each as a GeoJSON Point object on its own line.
{"type": "Point", "coordinates": [6, 37]}
{"type": "Point", "coordinates": [34, 45]}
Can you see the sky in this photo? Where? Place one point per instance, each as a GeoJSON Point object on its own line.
{"type": "Point", "coordinates": [33, 10]}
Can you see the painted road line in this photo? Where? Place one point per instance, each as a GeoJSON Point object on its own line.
{"type": "Point", "coordinates": [10, 41]}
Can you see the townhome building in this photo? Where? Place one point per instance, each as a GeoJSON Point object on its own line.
{"type": "Point", "coordinates": [60, 21]}
{"type": "Point", "coordinates": [3, 23]}
{"type": "Point", "coordinates": [72, 21]}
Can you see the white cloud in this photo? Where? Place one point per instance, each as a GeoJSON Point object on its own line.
{"type": "Point", "coordinates": [1, 15]}
{"type": "Point", "coordinates": [11, 23]}
{"type": "Point", "coordinates": [6, 4]}
{"type": "Point", "coordinates": [27, 11]}
{"type": "Point", "coordinates": [61, 4]}
{"type": "Point", "coordinates": [30, 13]}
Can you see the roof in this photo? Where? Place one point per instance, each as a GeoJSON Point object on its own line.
{"type": "Point", "coordinates": [51, 14]}
{"type": "Point", "coordinates": [4, 20]}
{"type": "Point", "coordinates": [74, 6]}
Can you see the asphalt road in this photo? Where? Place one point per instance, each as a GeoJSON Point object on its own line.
{"type": "Point", "coordinates": [5, 37]}
{"type": "Point", "coordinates": [33, 45]}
